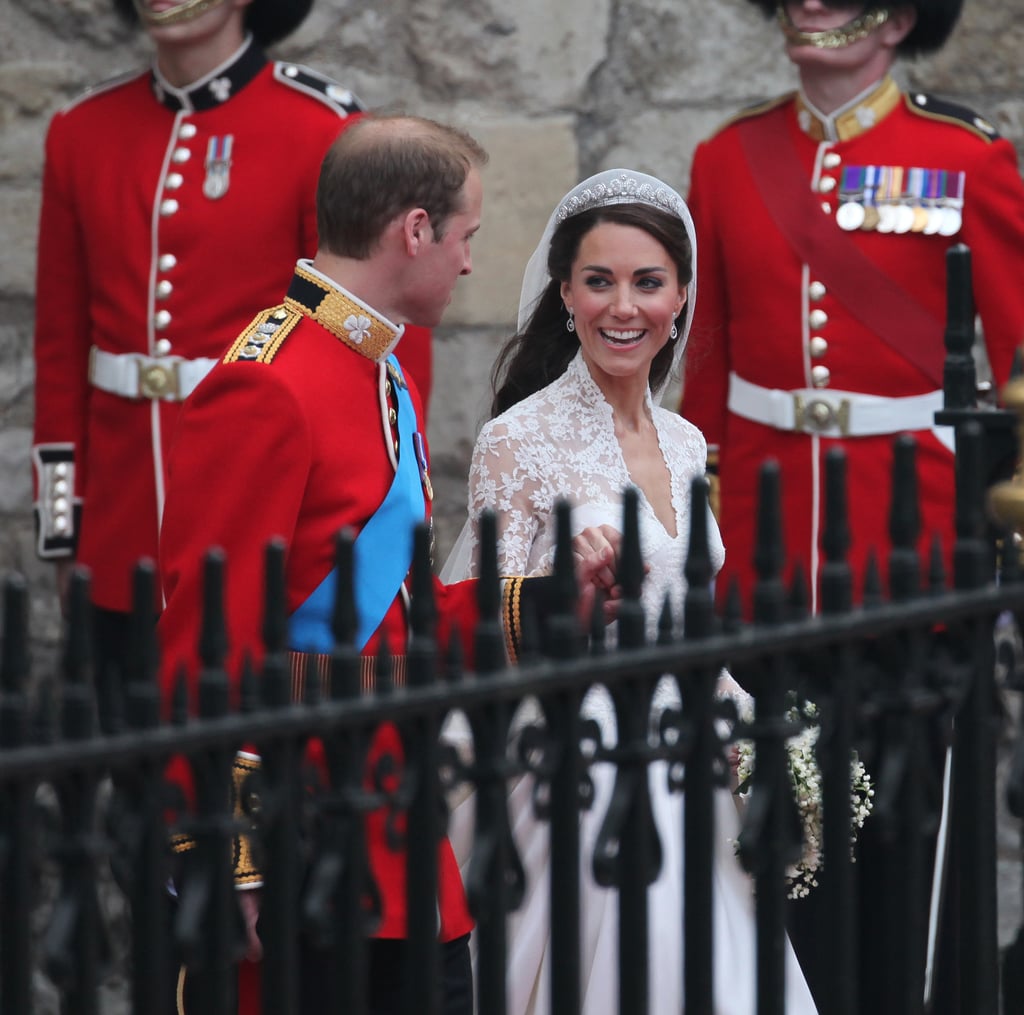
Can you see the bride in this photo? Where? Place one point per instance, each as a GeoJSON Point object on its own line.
{"type": "Point", "coordinates": [606, 306]}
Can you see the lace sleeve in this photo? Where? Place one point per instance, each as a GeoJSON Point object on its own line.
{"type": "Point", "coordinates": [503, 478]}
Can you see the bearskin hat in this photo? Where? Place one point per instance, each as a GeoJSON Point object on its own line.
{"type": "Point", "coordinates": [269, 21]}
{"type": "Point", "coordinates": [935, 21]}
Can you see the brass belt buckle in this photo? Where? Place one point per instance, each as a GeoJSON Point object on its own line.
{"type": "Point", "coordinates": [158, 380]}
{"type": "Point", "coordinates": [817, 415]}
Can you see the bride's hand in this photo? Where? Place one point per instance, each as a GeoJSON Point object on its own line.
{"type": "Point", "coordinates": [596, 552]}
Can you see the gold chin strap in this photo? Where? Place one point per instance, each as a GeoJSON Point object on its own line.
{"type": "Point", "coordinates": [833, 38]}
{"type": "Point", "coordinates": [177, 15]}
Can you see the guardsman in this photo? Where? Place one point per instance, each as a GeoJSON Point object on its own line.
{"type": "Point", "coordinates": [823, 221]}
{"type": "Point", "coordinates": [308, 426]}
{"type": "Point", "coordinates": [174, 202]}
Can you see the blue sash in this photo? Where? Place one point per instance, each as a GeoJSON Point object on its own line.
{"type": "Point", "coordinates": [383, 550]}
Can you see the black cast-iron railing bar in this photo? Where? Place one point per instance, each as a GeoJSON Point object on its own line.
{"type": "Point", "coordinates": [532, 679]}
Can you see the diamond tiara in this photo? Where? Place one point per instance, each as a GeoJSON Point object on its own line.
{"type": "Point", "coordinates": [624, 189]}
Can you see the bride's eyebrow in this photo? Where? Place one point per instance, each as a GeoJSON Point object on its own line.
{"type": "Point", "coordinates": [654, 269]}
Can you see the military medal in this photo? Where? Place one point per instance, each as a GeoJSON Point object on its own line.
{"type": "Point", "coordinates": [421, 458]}
{"type": "Point", "coordinates": [936, 185]}
{"type": "Point", "coordinates": [886, 210]}
{"type": "Point", "coordinates": [952, 218]}
{"type": "Point", "coordinates": [917, 183]}
{"type": "Point", "coordinates": [850, 213]}
{"type": "Point", "coordinates": [903, 217]}
{"type": "Point", "coordinates": [870, 222]}
{"type": "Point", "coordinates": [218, 166]}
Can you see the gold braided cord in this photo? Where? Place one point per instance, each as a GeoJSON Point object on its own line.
{"type": "Point", "coordinates": [187, 11]}
{"type": "Point", "coordinates": [510, 593]}
{"type": "Point", "coordinates": [833, 38]}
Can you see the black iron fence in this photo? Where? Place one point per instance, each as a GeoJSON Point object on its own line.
{"type": "Point", "coordinates": [915, 662]}
{"type": "Point", "coordinates": [912, 667]}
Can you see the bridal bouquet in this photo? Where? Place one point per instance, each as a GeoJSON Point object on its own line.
{"type": "Point", "coordinates": [806, 778]}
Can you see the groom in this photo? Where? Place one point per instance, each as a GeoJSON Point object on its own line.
{"type": "Point", "coordinates": [307, 426]}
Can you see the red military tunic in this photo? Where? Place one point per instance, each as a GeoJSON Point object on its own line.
{"type": "Point", "coordinates": [290, 436]}
{"type": "Point", "coordinates": [167, 216]}
{"type": "Point", "coordinates": [768, 330]}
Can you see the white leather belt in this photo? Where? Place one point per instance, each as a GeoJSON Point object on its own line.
{"type": "Point", "coordinates": [170, 378]}
{"type": "Point", "coordinates": [831, 413]}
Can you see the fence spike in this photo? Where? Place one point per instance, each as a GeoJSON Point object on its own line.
{"type": "Point", "coordinates": [564, 568]}
{"type": "Point", "coordinates": [936, 566]}
{"type": "Point", "coordinates": [836, 574]}
{"type": "Point", "coordinates": [698, 608]}
{"type": "Point", "coordinates": [769, 551]}
{"type": "Point", "coordinates": [423, 608]}
{"type": "Point", "coordinates": [973, 561]}
{"type": "Point", "coordinates": [904, 521]}
{"type": "Point", "coordinates": [248, 687]}
{"type": "Point", "coordinates": [142, 692]}
{"type": "Point", "coordinates": [77, 704]}
{"type": "Point", "coordinates": [872, 593]}
{"type": "Point", "coordinates": [732, 612]}
{"type": "Point", "coordinates": [631, 621]}
{"type": "Point", "coordinates": [213, 638]}
{"type": "Point", "coordinates": [274, 690]}
{"type": "Point", "coordinates": [799, 599]}
{"type": "Point", "coordinates": [14, 655]}
{"type": "Point", "coordinates": [488, 638]}
{"type": "Point", "coordinates": [959, 381]}
{"type": "Point", "coordinates": [345, 620]}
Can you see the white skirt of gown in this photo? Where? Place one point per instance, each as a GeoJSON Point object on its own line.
{"type": "Point", "coordinates": [735, 959]}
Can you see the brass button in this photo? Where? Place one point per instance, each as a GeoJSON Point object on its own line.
{"type": "Point", "coordinates": [820, 376]}
{"type": "Point", "coordinates": [818, 347]}
{"type": "Point", "coordinates": [392, 417]}
{"type": "Point", "coordinates": [827, 184]}
{"type": "Point", "coordinates": [816, 290]}
{"type": "Point", "coordinates": [818, 319]}
{"type": "Point", "coordinates": [831, 160]}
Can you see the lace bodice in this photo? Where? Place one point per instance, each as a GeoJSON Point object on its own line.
{"type": "Point", "coordinates": [560, 443]}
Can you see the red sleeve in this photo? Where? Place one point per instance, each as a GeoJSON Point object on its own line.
{"type": "Point", "coordinates": [993, 228]}
{"type": "Point", "coordinates": [62, 311]}
{"type": "Point", "coordinates": [706, 364]}
{"type": "Point", "coordinates": [237, 470]}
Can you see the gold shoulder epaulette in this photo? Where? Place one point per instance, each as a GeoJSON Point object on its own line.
{"type": "Point", "coordinates": [261, 340]}
{"type": "Point", "coordinates": [934, 108]}
{"type": "Point", "coordinates": [757, 109]}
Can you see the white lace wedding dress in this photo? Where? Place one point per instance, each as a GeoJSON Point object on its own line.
{"type": "Point", "coordinates": [560, 443]}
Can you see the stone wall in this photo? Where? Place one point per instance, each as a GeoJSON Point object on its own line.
{"type": "Point", "coordinates": [554, 91]}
